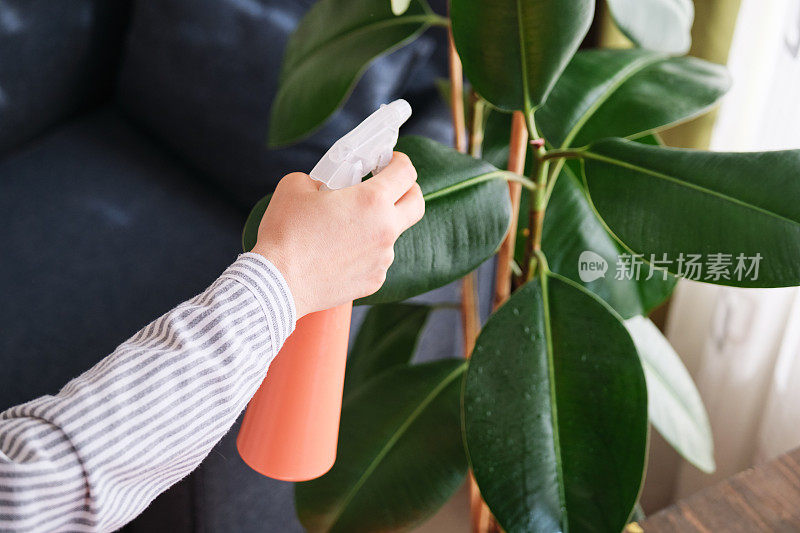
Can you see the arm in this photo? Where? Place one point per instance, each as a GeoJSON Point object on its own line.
{"type": "Point", "coordinates": [120, 434]}
{"type": "Point", "coordinates": [95, 455]}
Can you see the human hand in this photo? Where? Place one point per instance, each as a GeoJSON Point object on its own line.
{"type": "Point", "coordinates": [336, 246]}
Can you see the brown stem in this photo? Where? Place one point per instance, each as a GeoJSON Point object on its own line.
{"type": "Point", "coordinates": [516, 163]}
{"type": "Point", "coordinates": [470, 317]}
{"type": "Point", "coordinates": [470, 321]}
{"type": "Point", "coordinates": [533, 244]}
{"type": "Point", "coordinates": [480, 516]}
{"type": "Point", "coordinates": [456, 94]}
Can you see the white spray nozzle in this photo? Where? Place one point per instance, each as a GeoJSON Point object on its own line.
{"type": "Point", "coordinates": [366, 148]}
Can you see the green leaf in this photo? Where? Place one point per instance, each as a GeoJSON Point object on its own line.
{"type": "Point", "coordinates": [400, 6]}
{"type": "Point", "coordinates": [572, 233]}
{"type": "Point", "coordinates": [555, 412]}
{"type": "Point", "coordinates": [512, 50]}
{"type": "Point", "coordinates": [400, 455]}
{"type": "Point", "coordinates": [467, 214]}
{"type": "Point", "coordinates": [328, 52]}
{"type": "Point", "coordinates": [250, 231]}
{"type": "Point", "coordinates": [675, 407]}
{"type": "Point", "coordinates": [621, 93]}
{"type": "Point", "coordinates": [387, 337]}
{"type": "Point", "coordinates": [663, 25]}
{"type": "Point", "coordinates": [734, 211]}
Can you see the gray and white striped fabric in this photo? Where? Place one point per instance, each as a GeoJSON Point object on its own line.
{"type": "Point", "coordinates": [95, 455]}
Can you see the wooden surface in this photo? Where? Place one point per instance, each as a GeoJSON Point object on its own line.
{"type": "Point", "coordinates": [765, 498]}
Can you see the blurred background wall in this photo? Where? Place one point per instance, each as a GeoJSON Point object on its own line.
{"type": "Point", "coordinates": [741, 346]}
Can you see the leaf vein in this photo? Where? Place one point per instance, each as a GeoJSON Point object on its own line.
{"type": "Point", "coordinates": [688, 185]}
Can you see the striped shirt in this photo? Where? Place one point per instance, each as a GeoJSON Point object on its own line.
{"type": "Point", "coordinates": [95, 455]}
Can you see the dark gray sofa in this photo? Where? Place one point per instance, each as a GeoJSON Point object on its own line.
{"type": "Point", "coordinates": [132, 145]}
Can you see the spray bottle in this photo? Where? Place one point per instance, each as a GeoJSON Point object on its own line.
{"type": "Point", "coordinates": [291, 427]}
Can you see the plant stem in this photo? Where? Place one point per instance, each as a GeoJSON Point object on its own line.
{"type": "Point", "coordinates": [538, 204]}
{"type": "Point", "coordinates": [456, 94]}
{"type": "Point", "coordinates": [480, 516]}
{"type": "Point", "coordinates": [470, 320]}
{"type": "Point", "coordinates": [516, 163]}
{"type": "Point", "coordinates": [478, 105]}
{"type": "Point", "coordinates": [436, 20]}
{"type": "Point", "coordinates": [469, 289]}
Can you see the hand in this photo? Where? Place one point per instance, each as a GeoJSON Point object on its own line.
{"type": "Point", "coordinates": [336, 246]}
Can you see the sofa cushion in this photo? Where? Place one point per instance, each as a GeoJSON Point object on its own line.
{"type": "Point", "coordinates": [202, 74]}
{"type": "Point", "coordinates": [101, 233]}
{"type": "Point", "coordinates": [55, 57]}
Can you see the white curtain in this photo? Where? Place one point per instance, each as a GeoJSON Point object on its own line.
{"type": "Point", "coordinates": [741, 345]}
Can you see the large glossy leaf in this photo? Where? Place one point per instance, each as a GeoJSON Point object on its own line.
{"type": "Point", "coordinates": [555, 411]}
{"type": "Point", "coordinates": [572, 234]}
{"type": "Point", "coordinates": [674, 405]}
{"type": "Point", "coordinates": [387, 337]}
{"type": "Point", "coordinates": [400, 454]}
{"type": "Point", "coordinates": [513, 50]}
{"type": "Point", "coordinates": [620, 93]}
{"type": "Point", "coordinates": [663, 25]}
{"type": "Point", "coordinates": [327, 53]}
{"type": "Point", "coordinates": [467, 213]}
{"type": "Point", "coordinates": [732, 211]}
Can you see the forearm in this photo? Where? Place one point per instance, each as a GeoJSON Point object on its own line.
{"type": "Point", "coordinates": [95, 455]}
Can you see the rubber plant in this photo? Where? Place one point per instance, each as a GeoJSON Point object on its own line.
{"type": "Point", "coordinates": [550, 414]}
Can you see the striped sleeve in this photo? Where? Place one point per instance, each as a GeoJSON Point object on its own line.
{"type": "Point", "coordinates": [95, 455]}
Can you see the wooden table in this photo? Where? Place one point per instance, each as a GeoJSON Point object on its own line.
{"type": "Point", "coordinates": [764, 498]}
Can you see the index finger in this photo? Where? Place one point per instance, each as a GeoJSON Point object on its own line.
{"type": "Point", "coordinates": [397, 178]}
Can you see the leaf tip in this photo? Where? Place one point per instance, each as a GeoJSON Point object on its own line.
{"type": "Point", "coordinates": [400, 6]}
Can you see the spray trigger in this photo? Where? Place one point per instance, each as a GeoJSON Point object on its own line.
{"type": "Point", "coordinates": [366, 148]}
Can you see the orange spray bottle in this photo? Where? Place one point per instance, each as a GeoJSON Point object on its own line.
{"type": "Point", "coordinates": [291, 426]}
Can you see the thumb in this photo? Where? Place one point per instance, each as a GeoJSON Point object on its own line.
{"type": "Point", "coordinates": [301, 182]}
